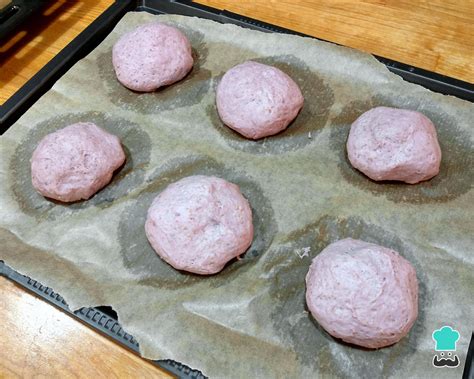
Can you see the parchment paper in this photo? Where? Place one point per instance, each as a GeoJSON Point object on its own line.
{"type": "Point", "coordinates": [249, 321]}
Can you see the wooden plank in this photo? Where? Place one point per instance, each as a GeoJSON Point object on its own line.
{"type": "Point", "coordinates": [39, 340]}
{"type": "Point", "coordinates": [436, 35]}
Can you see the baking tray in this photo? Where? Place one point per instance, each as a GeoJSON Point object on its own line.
{"type": "Point", "coordinates": [104, 319]}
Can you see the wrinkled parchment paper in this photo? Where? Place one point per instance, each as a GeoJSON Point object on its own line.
{"type": "Point", "coordinates": [249, 321]}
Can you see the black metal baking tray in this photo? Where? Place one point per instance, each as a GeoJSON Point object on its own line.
{"type": "Point", "coordinates": [102, 318]}
{"type": "Point", "coordinates": [16, 13]}
{"type": "Point", "coordinates": [14, 107]}
{"type": "Point", "coordinates": [468, 372]}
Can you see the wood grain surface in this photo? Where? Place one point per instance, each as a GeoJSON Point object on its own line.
{"type": "Point", "coordinates": [24, 53]}
{"type": "Point", "coordinates": [38, 340]}
{"type": "Point", "coordinates": [437, 35]}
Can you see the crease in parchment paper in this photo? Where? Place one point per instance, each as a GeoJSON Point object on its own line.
{"type": "Point", "coordinates": [251, 319]}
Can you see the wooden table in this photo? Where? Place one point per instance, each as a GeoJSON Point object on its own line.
{"type": "Point", "coordinates": [38, 339]}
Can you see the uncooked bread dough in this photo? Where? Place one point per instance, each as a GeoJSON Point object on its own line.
{"type": "Point", "coordinates": [257, 100]}
{"type": "Point", "coordinates": [363, 293]}
{"type": "Point", "coordinates": [151, 56]}
{"type": "Point", "coordinates": [199, 223]}
{"type": "Point", "coordinates": [75, 162]}
{"type": "Point", "coordinates": [394, 144]}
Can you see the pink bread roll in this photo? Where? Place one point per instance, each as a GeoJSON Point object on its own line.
{"type": "Point", "coordinates": [257, 100]}
{"type": "Point", "coordinates": [75, 162]}
{"type": "Point", "coordinates": [199, 223]}
{"type": "Point", "coordinates": [394, 144]}
{"type": "Point", "coordinates": [363, 293]}
{"type": "Point", "coordinates": [151, 56]}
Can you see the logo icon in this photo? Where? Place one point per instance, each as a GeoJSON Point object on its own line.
{"type": "Point", "coordinates": [445, 343]}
